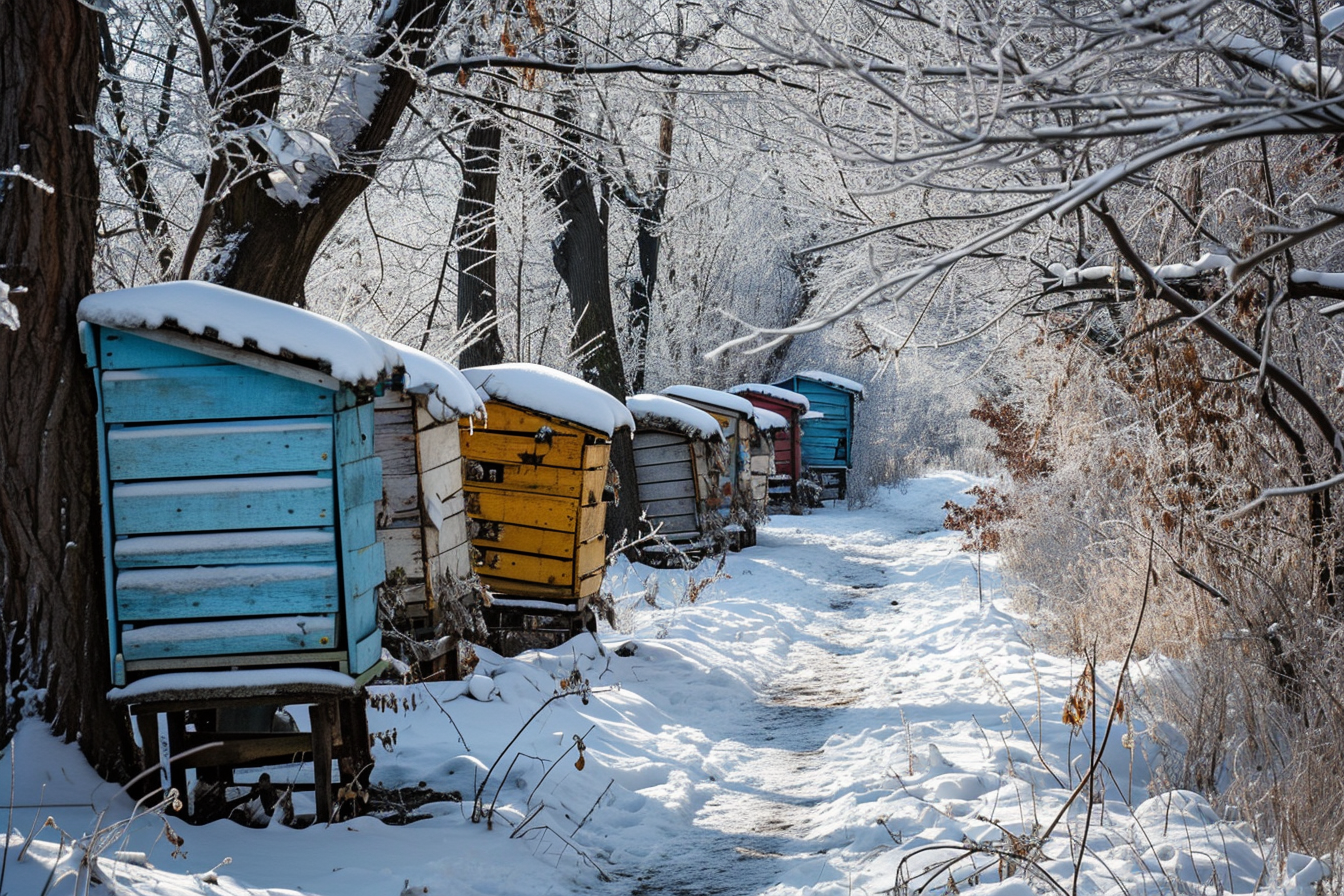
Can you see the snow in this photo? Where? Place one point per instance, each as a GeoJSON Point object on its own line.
{"type": "Point", "coordinates": [768, 421]}
{"type": "Point", "coordinates": [714, 397]}
{"type": "Point", "coordinates": [831, 379]}
{"type": "Point", "coordinates": [234, 682]}
{"type": "Point", "coordinates": [285, 332]}
{"type": "Point", "coordinates": [126, 549]}
{"type": "Point", "coordinates": [662, 412]}
{"type": "Point", "coordinates": [232, 485]}
{"type": "Point", "coordinates": [776, 392]}
{"type": "Point", "coordinates": [9, 312]}
{"type": "Point", "coordinates": [451, 395]}
{"type": "Point", "coordinates": [200, 578]}
{"type": "Point", "coordinates": [551, 392]}
{"type": "Point", "coordinates": [838, 715]}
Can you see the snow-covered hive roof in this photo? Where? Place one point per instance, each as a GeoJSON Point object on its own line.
{"type": "Point", "coordinates": [776, 392]}
{"type": "Point", "coordinates": [551, 392]}
{"type": "Point", "coordinates": [768, 421]}
{"type": "Point", "coordinates": [285, 333]}
{"type": "Point", "coordinates": [831, 379]}
{"type": "Point", "coordinates": [450, 394]}
{"type": "Point", "coordinates": [662, 412]}
{"type": "Point", "coordinates": [725, 400]}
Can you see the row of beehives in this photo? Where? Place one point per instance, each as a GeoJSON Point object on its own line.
{"type": "Point", "coordinates": [282, 491]}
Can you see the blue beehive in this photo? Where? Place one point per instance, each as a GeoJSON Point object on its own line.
{"type": "Point", "coordinates": [239, 482]}
{"type": "Point", "coordinates": [828, 429]}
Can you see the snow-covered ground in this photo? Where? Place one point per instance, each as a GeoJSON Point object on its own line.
{"type": "Point", "coordinates": [841, 713]}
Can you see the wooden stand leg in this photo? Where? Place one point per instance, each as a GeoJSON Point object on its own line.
{"type": "Point", "coordinates": [177, 771]}
{"type": "Point", "coordinates": [320, 716]}
{"type": "Point", "coordinates": [147, 723]}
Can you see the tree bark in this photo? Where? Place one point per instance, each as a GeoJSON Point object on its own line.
{"type": "Point", "coordinates": [476, 235]}
{"type": "Point", "coordinates": [54, 646]}
{"type": "Point", "coordinates": [267, 247]}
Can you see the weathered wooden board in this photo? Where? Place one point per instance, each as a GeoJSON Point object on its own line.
{"type": "Point", "coordinates": [439, 446]}
{"type": "Point", "coordinates": [661, 491]}
{"type": "Point", "coordinates": [198, 593]}
{"type": "Point", "coordinates": [500, 447]}
{"type": "Point", "coordinates": [585, 485]}
{"type": "Point", "coordinates": [235, 636]}
{"type": "Point", "coordinates": [442, 485]}
{"type": "Point", "coordinates": [663, 509]}
{"type": "Point", "coordinates": [360, 482]}
{"type": "Point", "coordinates": [577, 595]}
{"type": "Point", "coordinates": [590, 557]}
{"type": "Point", "coordinates": [226, 548]}
{"type": "Point", "coordinates": [124, 351]}
{"type": "Point", "coordinates": [525, 540]}
{"type": "Point", "coordinates": [404, 549]}
{"type": "Point", "coordinates": [230, 448]}
{"type": "Point", "coordinates": [219, 392]}
{"type": "Point", "coordinates": [200, 505]}
{"type": "Point", "coordinates": [522, 509]}
{"type": "Point", "coordinates": [677, 528]}
{"type": "Point", "coordinates": [656, 438]}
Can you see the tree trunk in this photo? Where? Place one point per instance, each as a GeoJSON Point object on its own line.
{"type": "Point", "coordinates": [266, 246]}
{"type": "Point", "coordinates": [477, 240]}
{"type": "Point", "coordinates": [54, 646]}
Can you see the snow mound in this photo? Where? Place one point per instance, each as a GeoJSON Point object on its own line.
{"type": "Point", "coordinates": [551, 392]}
{"type": "Point", "coordinates": [779, 393]}
{"type": "Point", "coordinates": [725, 400]}
{"type": "Point", "coordinates": [662, 412]}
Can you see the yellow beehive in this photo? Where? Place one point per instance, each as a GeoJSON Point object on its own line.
{"type": "Point", "coordinates": [534, 478]}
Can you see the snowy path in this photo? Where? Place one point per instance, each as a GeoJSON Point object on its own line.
{"type": "Point", "coordinates": [835, 717]}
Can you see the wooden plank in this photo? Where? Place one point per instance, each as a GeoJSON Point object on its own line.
{"type": "Point", "coordinates": [674, 527]}
{"type": "Point", "coordinates": [306, 658]}
{"type": "Point", "coordinates": [359, 528]}
{"type": "Point", "coordinates": [400, 499]}
{"type": "Point", "coordinates": [661, 454]}
{"type": "Point", "coordinates": [200, 505]}
{"type": "Point", "coordinates": [226, 548]}
{"type": "Point", "coordinates": [221, 392]}
{"type": "Point", "coordinates": [395, 444]}
{"type": "Point", "coordinates": [524, 540]}
{"type": "Point", "coordinates": [242, 750]}
{"type": "Point", "coordinates": [657, 438]}
{"type": "Point", "coordinates": [438, 446]}
{"type": "Point", "coordinates": [118, 350]}
{"type": "Point", "coordinates": [354, 433]}
{"type": "Point", "coordinates": [360, 482]}
{"type": "Point", "coordinates": [587, 587]}
{"type": "Point", "coordinates": [202, 592]}
{"type": "Point", "coordinates": [367, 652]}
{"type": "Point", "coordinates": [585, 485]}
{"type": "Point", "coordinates": [671, 507]}
{"type": "Point", "coordinates": [105, 511]}
{"type": "Point", "coordinates": [443, 482]}
{"type": "Point", "coordinates": [522, 509]}
{"type": "Point", "coordinates": [227, 448]}
{"type": "Point", "coordinates": [590, 557]}
{"type": "Point", "coordinates": [196, 639]}
{"type": "Point", "coordinates": [502, 416]}
{"type": "Point", "coordinates": [512, 448]}
{"type": "Point", "coordinates": [404, 549]}
{"type": "Point", "coordinates": [661, 491]}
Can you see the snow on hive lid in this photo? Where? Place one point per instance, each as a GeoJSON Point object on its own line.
{"type": "Point", "coordinates": [450, 394]}
{"type": "Point", "coordinates": [661, 412]}
{"type": "Point", "coordinates": [551, 392]}
{"type": "Point", "coordinates": [769, 421]}
{"type": "Point", "coordinates": [776, 392]}
{"type": "Point", "coordinates": [832, 379]}
{"type": "Point", "coordinates": [714, 397]}
{"type": "Point", "coordinates": [246, 322]}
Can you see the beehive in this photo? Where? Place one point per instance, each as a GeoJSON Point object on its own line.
{"type": "Point", "coordinates": [679, 459]}
{"type": "Point", "coordinates": [535, 474]}
{"type": "Point", "coordinates": [828, 428]}
{"type": "Point", "coordinates": [733, 413]}
{"type": "Point", "coordinates": [788, 459]}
